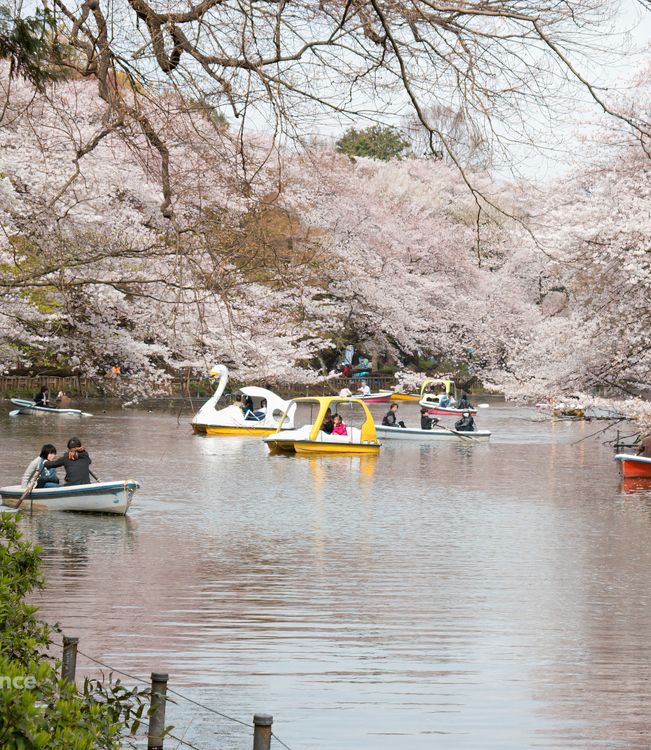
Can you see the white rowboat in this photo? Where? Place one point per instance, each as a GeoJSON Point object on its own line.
{"type": "Point", "coordinates": [29, 407]}
{"type": "Point", "coordinates": [436, 434]}
{"type": "Point", "coordinates": [101, 497]}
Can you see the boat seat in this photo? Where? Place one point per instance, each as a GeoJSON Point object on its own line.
{"type": "Point", "coordinates": [354, 436]}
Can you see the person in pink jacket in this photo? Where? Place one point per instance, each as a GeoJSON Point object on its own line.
{"type": "Point", "coordinates": [340, 427]}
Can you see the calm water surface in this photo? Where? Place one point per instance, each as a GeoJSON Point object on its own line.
{"type": "Point", "coordinates": [439, 596]}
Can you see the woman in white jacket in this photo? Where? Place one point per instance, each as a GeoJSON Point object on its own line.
{"type": "Point", "coordinates": [48, 477]}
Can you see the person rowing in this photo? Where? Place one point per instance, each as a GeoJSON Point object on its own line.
{"type": "Point", "coordinates": [426, 422]}
{"type": "Point", "coordinates": [42, 398]}
{"type": "Point", "coordinates": [390, 419]}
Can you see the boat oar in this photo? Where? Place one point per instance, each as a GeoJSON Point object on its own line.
{"type": "Point", "coordinates": [94, 476]}
{"type": "Point", "coordinates": [14, 413]}
{"type": "Point", "coordinates": [456, 432]}
{"type": "Point", "coordinates": [30, 486]}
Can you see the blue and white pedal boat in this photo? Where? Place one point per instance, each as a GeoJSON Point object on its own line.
{"type": "Point", "coordinates": [29, 407]}
{"type": "Point", "coordinates": [100, 497]}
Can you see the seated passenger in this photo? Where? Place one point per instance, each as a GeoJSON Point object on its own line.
{"type": "Point", "coordinates": [444, 400]}
{"type": "Point", "coordinates": [464, 403]}
{"type": "Point", "coordinates": [345, 393]}
{"type": "Point", "coordinates": [465, 424]}
{"type": "Point", "coordinates": [261, 413]}
{"type": "Point", "coordinates": [390, 419]}
{"type": "Point", "coordinates": [47, 477]}
{"type": "Point", "coordinates": [76, 461]}
{"type": "Point", "coordinates": [426, 422]}
{"type": "Point", "coordinates": [63, 400]}
{"type": "Point", "coordinates": [365, 390]}
{"type": "Point", "coordinates": [249, 409]}
{"type": "Point", "coordinates": [339, 426]}
{"type": "Point", "coordinates": [328, 424]}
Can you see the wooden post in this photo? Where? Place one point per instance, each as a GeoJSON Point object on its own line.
{"type": "Point", "coordinates": [262, 731]}
{"type": "Point", "coordinates": [69, 661]}
{"type": "Point", "coordinates": [155, 735]}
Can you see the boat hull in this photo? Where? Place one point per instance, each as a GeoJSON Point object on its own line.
{"type": "Point", "coordinates": [634, 466]}
{"type": "Point", "coordinates": [443, 412]}
{"type": "Point", "coordinates": [314, 447]}
{"type": "Point", "coordinates": [206, 429]}
{"type": "Point", "coordinates": [436, 435]}
{"type": "Point", "coordinates": [376, 398]}
{"type": "Point", "coordinates": [404, 397]}
{"type": "Point", "coordinates": [102, 497]}
{"type": "Point", "coordinates": [29, 407]}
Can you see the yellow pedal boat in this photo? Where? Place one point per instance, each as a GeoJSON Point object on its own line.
{"type": "Point", "coordinates": [312, 438]}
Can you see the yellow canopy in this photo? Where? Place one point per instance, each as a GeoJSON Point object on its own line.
{"type": "Point", "coordinates": [330, 402]}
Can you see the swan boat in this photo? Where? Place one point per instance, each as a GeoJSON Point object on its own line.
{"type": "Point", "coordinates": [230, 420]}
{"type": "Point", "coordinates": [100, 497]}
{"type": "Point", "coordinates": [29, 407]}
{"type": "Point", "coordinates": [634, 466]}
{"type": "Point", "coordinates": [436, 434]}
{"type": "Point", "coordinates": [311, 439]}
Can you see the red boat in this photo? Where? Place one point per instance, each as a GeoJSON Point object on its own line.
{"type": "Point", "coordinates": [381, 397]}
{"type": "Point", "coordinates": [450, 411]}
{"type": "Point", "coordinates": [634, 466]}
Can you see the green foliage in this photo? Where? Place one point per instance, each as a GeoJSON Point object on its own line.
{"type": "Point", "coordinates": [22, 637]}
{"type": "Point", "coordinates": [25, 42]}
{"type": "Point", "coordinates": [37, 708]}
{"type": "Point", "coordinates": [376, 142]}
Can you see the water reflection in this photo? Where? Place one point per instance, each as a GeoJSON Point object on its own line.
{"type": "Point", "coordinates": [489, 595]}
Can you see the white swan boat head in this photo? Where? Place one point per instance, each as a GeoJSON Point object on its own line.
{"type": "Point", "coordinates": [263, 419]}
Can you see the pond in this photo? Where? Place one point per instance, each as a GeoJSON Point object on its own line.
{"type": "Point", "coordinates": [458, 596]}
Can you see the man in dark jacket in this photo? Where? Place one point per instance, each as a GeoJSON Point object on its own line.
{"type": "Point", "coordinates": [390, 419]}
{"type": "Point", "coordinates": [76, 462]}
{"type": "Point", "coordinates": [426, 422]}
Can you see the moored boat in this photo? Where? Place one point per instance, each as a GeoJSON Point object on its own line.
{"type": "Point", "coordinates": [437, 434]}
{"type": "Point", "coordinates": [361, 437]}
{"type": "Point", "coordinates": [634, 466]}
{"type": "Point", "coordinates": [29, 407]}
{"type": "Point", "coordinates": [230, 420]}
{"type": "Point", "coordinates": [100, 497]}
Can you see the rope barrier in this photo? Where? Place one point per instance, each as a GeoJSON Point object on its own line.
{"type": "Point", "coordinates": [178, 695]}
{"type": "Point", "coordinates": [183, 742]}
{"type": "Point", "coordinates": [169, 690]}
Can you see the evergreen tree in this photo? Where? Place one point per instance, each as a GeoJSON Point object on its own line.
{"type": "Point", "coordinates": [377, 142]}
